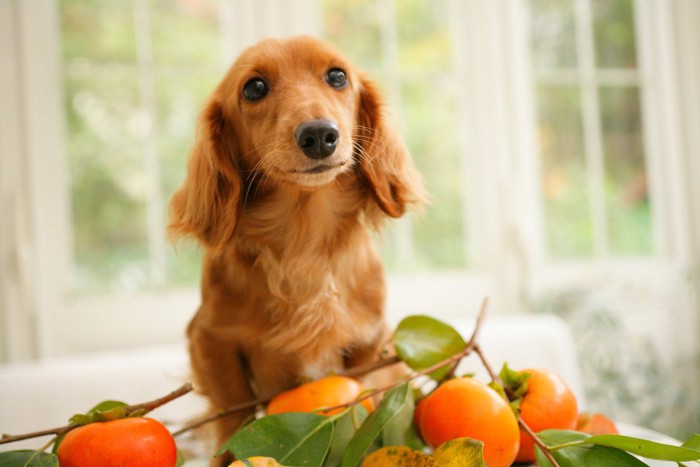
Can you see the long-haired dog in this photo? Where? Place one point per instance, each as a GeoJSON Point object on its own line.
{"type": "Point", "coordinates": [293, 166]}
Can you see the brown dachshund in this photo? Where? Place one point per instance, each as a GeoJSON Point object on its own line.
{"type": "Point", "coordinates": [294, 165]}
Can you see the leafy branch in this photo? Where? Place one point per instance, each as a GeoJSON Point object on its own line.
{"type": "Point", "coordinates": [124, 411]}
{"type": "Point", "coordinates": [431, 348]}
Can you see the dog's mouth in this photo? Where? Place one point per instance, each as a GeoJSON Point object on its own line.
{"type": "Point", "coordinates": [318, 169]}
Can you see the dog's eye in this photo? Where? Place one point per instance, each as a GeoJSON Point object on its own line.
{"type": "Point", "coordinates": [255, 89]}
{"type": "Point", "coordinates": [336, 78]}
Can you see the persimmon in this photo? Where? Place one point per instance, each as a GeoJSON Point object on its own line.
{"type": "Point", "coordinates": [325, 392]}
{"type": "Point", "coordinates": [468, 408]}
{"type": "Point", "coordinates": [418, 413]}
{"type": "Point", "coordinates": [596, 424]}
{"type": "Point", "coordinates": [126, 442]}
{"type": "Point", "coordinates": [548, 403]}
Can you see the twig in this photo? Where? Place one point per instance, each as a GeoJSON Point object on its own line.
{"type": "Point", "coordinates": [220, 414]}
{"type": "Point", "coordinates": [147, 406]}
{"type": "Point", "coordinates": [154, 404]}
{"type": "Point", "coordinates": [497, 379]}
{"type": "Point", "coordinates": [356, 371]}
{"type": "Point", "coordinates": [36, 434]}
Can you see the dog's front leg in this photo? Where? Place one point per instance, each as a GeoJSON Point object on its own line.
{"type": "Point", "coordinates": [220, 374]}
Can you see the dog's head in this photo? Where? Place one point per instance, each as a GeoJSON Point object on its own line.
{"type": "Point", "coordinates": [295, 112]}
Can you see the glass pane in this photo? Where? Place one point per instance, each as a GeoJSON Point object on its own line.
{"type": "Point", "coordinates": [425, 71]}
{"type": "Point", "coordinates": [627, 195]}
{"type": "Point", "coordinates": [614, 33]}
{"type": "Point", "coordinates": [438, 234]}
{"type": "Point", "coordinates": [101, 30]}
{"type": "Point", "coordinates": [186, 51]}
{"type": "Point", "coordinates": [108, 184]}
{"type": "Point", "coordinates": [341, 22]}
{"type": "Point", "coordinates": [185, 32]}
{"type": "Point", "coordinates": [424, 35]}
{"type": "Point", "coordinates": [567, 211]}
{"type": "Point", "coordinates": [180, 95]}
{"type": "Point", "coordinates": [553, 34]}
{"type": "Point", "coordinates": [108, 127]}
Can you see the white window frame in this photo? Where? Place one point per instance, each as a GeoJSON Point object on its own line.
{"type": "Point", "coordinates": [498, 156]}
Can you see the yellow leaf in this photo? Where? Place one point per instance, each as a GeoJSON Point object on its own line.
{"type": "Point", "coordinates": [257, 461]}
{"type": "Point", "coordinates": [460, 452]}
{"type": "Point", "coordinates": [398, 456]}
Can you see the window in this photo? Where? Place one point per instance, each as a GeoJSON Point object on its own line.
{"type": "Point", "coordinates": [589, 91]}
{"type": "Point", "coordinates": [135, 76]}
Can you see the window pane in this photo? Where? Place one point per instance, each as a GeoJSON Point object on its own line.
{"type": "Point", "coordinates": [423, 82]}
{"type": "Point", "coordinates": [627, 197]}
{"type": "Point", "coordinates": [426, 68]}
{"type": "Point", "coordinates": [614, 33]}
{"type": "Point", "coordinates": [180, 95]}
{"type": "Point", "coordinates": [424, 36]}
{"type": "Point", "coordinates": [431, 138]}
{"type": "Point", "coordinates": [567, 211]}
{"type": "Point", "coordinates": [110, 124]}
{"type": "Point", "coordinates": [342, 21]}
{"type": "Point", "coordinates": [107, 174]}
{"type": "Point", "coordinates": [102, 30]}
{"type": "Point", "coordinates": [553, 34]}
{"type": "Point", "coordinates": [185, 32]}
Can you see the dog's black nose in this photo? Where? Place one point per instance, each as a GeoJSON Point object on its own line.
{"type": "Point", "coordinates": [317, 138]}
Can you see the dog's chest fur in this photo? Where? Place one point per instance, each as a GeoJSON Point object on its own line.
{"type": "Point", "coordinates": [321, 292]}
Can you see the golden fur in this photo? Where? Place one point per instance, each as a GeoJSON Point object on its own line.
{"type": "Point", "coordinates": [292, 287]}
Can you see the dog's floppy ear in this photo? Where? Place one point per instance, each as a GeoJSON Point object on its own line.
{"type": "Point", "coordinates": [206, 206]}
{"type": "Point", "coordinates": [384, 160]}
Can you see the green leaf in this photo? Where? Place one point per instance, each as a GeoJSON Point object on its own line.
{"type": "Point", "coordinates": [400, 430]}
{"type": "Point", "coordinates": [103, 412]}
{"type": "Point", "coordinates": [422, 341]}
{"type": "Point", "coordinates": [345, 425]}
{"type": "Point", "coordinates": [646, 448]}
{"type": "Point", "coordinates": [392, 404]}
{"type": "Point", "coordinates": [693, 442]}
{"type": "Point", "coordinates": [517, 382]}
{"type": "Point", "coordinates": [577, 453]}
{"type": "Point", "coordinates": [299, 439]}
{"type": "Point", "coordinates": [82, 419]}
{"type": "Point", "coordinates": [138, 413]}
{"type": "Point", "coordinates": [28, 458]}
{"type": "Point", "coordinates": [514, 380]}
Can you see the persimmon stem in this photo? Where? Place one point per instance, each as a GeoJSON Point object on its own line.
{"type": "Point", "coordinates": [146, 406]}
